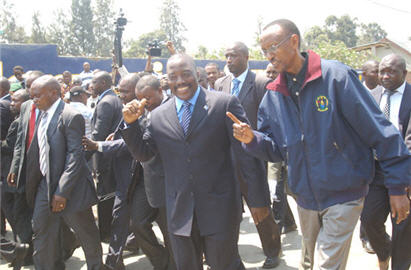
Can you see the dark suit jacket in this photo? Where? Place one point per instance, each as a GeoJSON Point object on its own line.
{"type": "Point", "coordinates": [123, 165]}
{"type": "Point", "coordinates": [199, 173]}
{"type": "Point", "coordinates": [68, 173]}
{"type": "Point", "coordinates": [404, 123]}
{"type": "Point", "coordinates": [6, 117]}
{"type": "Point", "coordinates": [405, 108]}
{"type": "Point", "coordinates": [251, 94]}
{"type": "Point", "coordinates": [7, 148]}
{"type": "Point", "coordinates": [19, 156]}
{"type": "Point", "coordinates": [107, 115]}
{"type": "Point", "coordinates": [154, 174]}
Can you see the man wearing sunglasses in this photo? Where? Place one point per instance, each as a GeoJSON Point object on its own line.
{"type": "Point", "coordinates": [319, 118]}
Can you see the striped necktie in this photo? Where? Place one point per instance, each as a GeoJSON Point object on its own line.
{"type": "Point", "coordinates": [186, 117]}
{"type": "Point", "coordinates": [42, 138]}
{"type": "Point", "coordinates": [387, 106]}
{"type": "Point", "coordinates": [236, 88]}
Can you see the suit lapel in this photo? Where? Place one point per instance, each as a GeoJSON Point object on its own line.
{"type": "Point", "coordinates": [246, 87]}
{"type": "Point", "coordinates": [405, 107]}
{"type": "Point", "coordinates": [173, 118]}
{"type": "Point", "coordinates": [54, 121]}
{"type": "Point", "coordinates": [200, 111]}
{"type": "Point", "coordinates": [226, 85]}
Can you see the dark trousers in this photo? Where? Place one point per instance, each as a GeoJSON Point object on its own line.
{"type": "Point", "coordinates": [47, 228]}
{"type": "Point", "coordinates": [375, 213]}
{"type": "Point", "coordinates": [135, 216]}
{"type": "Point", "coordinates": [105, 218]}
{"type": "Point", "coordinates": [281, 209]}
{"type": "Point", "coordinates": [269, 236]}
{"type": "Point", "coordinates": [220, 249]}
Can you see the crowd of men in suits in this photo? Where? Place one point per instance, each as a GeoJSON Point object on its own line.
{"type": "Point", "coordinates": [188, 152]}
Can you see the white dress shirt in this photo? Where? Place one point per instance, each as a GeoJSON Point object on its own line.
{"type": "Point", "coordinates": [395, 104]}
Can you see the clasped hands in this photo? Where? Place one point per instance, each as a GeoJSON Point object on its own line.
{"type": "Point", "coordinates": [134, 110]}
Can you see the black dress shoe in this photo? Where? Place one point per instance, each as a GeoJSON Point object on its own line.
{"type": "Point", "coordinates": [287, 229]}
{"type": "Point", "coordinates": [271, 262]}
{"type": "Point", "coordinates": [20, 253]}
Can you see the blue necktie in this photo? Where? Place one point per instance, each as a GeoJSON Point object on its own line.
{"type": "Point", "coordinates": [186, 117]}
{"type": "Point", "coordinates": [236, 88]}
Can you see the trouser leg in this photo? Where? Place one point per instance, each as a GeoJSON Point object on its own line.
{"type": "Point", "coordinates": [104, 212]}
{"type": "Point", "coordinates": [84, 226]}
{"type": "Point", "coordinates": [46, 228]}
{"type": "Point", "coordinates": [374, 214]}
{"type": "Point", "coordinates": [401, 243]}
{"type": "Point", "coordinates": [310, 224]}
{"type": "Point", "coordinates": [119, 232]}
{"type": "Point", "coordinates": [142, 215]}
{"type": "Point", "coordinates": [334, 238]}
{"type": "Point", "coordinates": [162, 223]}
{"type": "Point", "coordinates": [221, 250]}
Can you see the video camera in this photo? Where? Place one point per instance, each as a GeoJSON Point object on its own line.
{"type": "Point", "coordinates": [154, 48]}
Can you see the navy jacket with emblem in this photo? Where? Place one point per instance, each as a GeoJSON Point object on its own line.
{"type": "Point", "coordinates": [328, 136]}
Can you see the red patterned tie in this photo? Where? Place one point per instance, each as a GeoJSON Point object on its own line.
{"type": "Point", "coordinates": [32, 125]}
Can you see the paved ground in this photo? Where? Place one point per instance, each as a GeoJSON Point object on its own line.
{"type": "Point", "coordinates": [250, 250]}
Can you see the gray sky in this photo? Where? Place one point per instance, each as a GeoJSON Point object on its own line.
{"type": "Point", "coordinates": [217, 23]}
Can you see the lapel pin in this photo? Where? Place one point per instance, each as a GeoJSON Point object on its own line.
{"type": "Point", "coordinates": [205, 107]}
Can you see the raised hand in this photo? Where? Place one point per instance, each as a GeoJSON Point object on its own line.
{"type": "Point", "coordinates": [133, 110]}
{"type": "Point", "coordinates": [241, 131]}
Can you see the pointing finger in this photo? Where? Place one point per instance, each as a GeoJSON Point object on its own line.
{"type": "Point", "coordinates": [233, 118]}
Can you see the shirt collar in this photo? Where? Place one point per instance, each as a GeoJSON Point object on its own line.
{"type": "Point", "coordinates": [4, 97]}
{"type": "Point", "coordinates": [50, 111]}
{"type": "Point", "coordinates": [103, 94]}
{"type": "Point", "coordinates": [241, 77]}
{"type": "Point", "coordinates": [192, 100]}
{"type": "Point", "coordinates": [400, 89]}
{"type": "Point", "coordinates": [300, 76]}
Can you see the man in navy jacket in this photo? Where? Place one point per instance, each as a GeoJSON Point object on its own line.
{"type": "Point", "coordinates": [318, 117]}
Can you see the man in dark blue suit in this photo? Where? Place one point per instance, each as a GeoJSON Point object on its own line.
{"type": "Point", "coordinates": [193, 137]}
{"type": "Point", "coordinates": [130, 203]}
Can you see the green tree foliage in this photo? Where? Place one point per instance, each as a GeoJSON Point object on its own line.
{"type": "Point", "coordinates": [11, 32]}
{"type": "Point", "coordinates": [337, 50]}
{"type": "Point", "coordinates": [83, 41]}
{"type": "Point", "coordinates": [138, 47]}
{"type": "Point", "coordinates": [343, 29]}
{"type": "Point", "coordinates": [371, 32]}
{"type": "Point", "coordinates": [171, 24]}
{"type": "Point", "coordinates": [59, 33]}
{"type": "Point", "coordinates": [38, 32]}
{"type": "Point", "coordinates": [103, 27]}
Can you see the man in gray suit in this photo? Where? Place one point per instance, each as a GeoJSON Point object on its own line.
{"type": "Point", "coordinates": [17, 179]}
{"type": "Point", "coordinates": [60, 186]}
{"type": "Point", "coordinates": [250, 89]}
{"type": "Point", "coordinates": [193, 137]}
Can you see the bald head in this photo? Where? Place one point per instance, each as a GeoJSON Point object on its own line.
{"type": "Point", "coordinates": [392, 71]}
{"type": "Point", "coordinates": [45, 91]}
{"type": "Point", "coordinates": [370, 74]}
{"type": "Point", "coordinates": [182, 58]}
{"type": "Point", "coordinates": [4, 86]}
{"type": "Point", "coordinates": [32, 77]}
{"type": "Point", "coordinates": [101, 82]}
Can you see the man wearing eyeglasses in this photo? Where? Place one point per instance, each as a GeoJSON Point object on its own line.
{"type": "Point", "coordinates": [319, 118]}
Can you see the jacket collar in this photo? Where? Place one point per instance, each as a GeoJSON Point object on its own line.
{"type": "Point", "coordinates": [313, 72]}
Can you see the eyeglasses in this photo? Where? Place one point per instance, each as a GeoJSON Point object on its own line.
{"type": "Point", "coordinates": [273, 48]}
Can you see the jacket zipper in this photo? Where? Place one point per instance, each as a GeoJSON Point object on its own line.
{"type": "Point", "coordinates": [305, 147]}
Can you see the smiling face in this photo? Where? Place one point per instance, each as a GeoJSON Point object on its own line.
{"type": "Point", "coordinates": [182, 76]}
